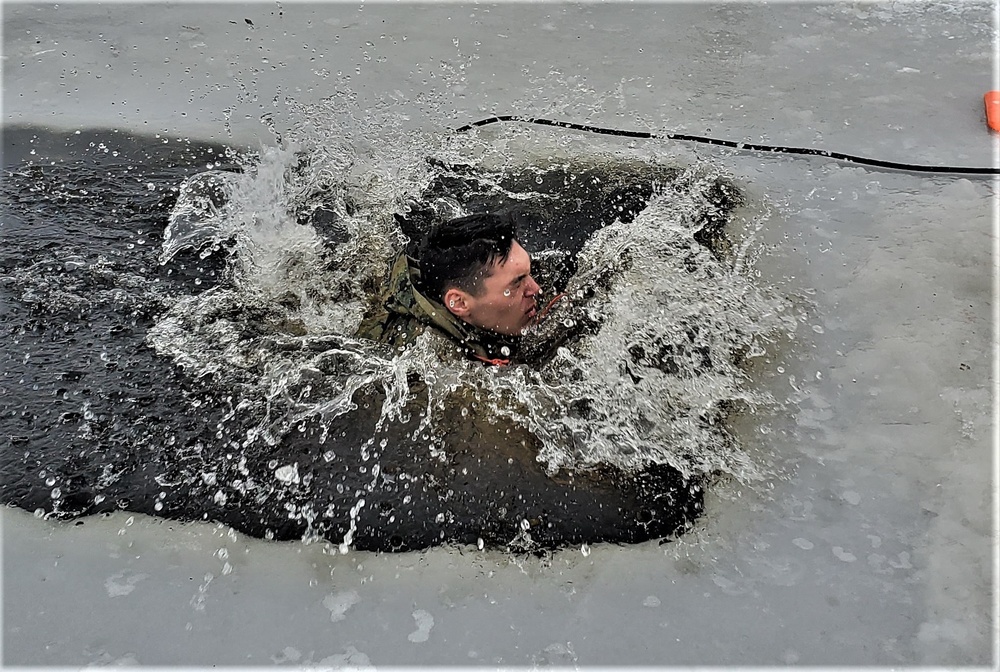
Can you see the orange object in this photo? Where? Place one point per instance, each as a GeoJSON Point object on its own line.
{"type": "Point", "coordinates": [992, 99]}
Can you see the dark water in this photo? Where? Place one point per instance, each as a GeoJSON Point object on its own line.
{"type": "Point", "coordinates": [92, 419]}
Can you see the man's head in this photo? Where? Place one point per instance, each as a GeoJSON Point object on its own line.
{"type": "Point", "coordinates": [476, 268]}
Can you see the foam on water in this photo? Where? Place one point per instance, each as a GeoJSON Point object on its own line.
{"type": "Point", "coordinates": [653, 384]}
{"type": "Point", "coordinates": [281, 422]}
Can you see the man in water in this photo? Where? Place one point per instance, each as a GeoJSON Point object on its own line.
{"type": "Point", "coordinates": [471, 280]}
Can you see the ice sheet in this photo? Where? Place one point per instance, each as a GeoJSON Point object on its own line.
{"type": "Point", "coordinates": [878, 545]}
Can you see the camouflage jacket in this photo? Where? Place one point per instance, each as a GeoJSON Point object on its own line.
{"type": "Point", "coordinates": [402, 313]}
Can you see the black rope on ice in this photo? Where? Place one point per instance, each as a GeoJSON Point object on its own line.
{"type": "Point", "coordinates": [743, 146]}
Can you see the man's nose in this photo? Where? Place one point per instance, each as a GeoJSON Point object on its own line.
{"type": "Point", "coordinates": [531, 287]}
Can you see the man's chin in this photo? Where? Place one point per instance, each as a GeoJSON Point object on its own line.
{"type": "Point", "coordinates": [529, 320]}
{"type": "Point", "coordinates": [529, 323]}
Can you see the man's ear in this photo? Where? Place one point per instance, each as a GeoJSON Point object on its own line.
{"type": "Point", "coordinates": [457, 302]}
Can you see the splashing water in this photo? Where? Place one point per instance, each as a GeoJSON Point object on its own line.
{"type": "Point", "coordinates": [284, 424]}
{"type": "Point", "coordinates": [656, 382]}
{"type": "Point", "coordinates": [653, 384]}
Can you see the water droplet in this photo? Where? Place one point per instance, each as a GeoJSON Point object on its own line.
{"type": "Point", "coordinates": [506, 292]}
{"type": "Point", "coordinates": [288, 473]}
{"type": "Point", "coordinates": [585, 550]}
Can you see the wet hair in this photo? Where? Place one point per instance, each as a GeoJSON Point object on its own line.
{"type": "Point", "coordinates": [458, 252]}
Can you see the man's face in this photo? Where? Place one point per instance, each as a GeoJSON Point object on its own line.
{"type": "Point", "coordinates": [508, 300]}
